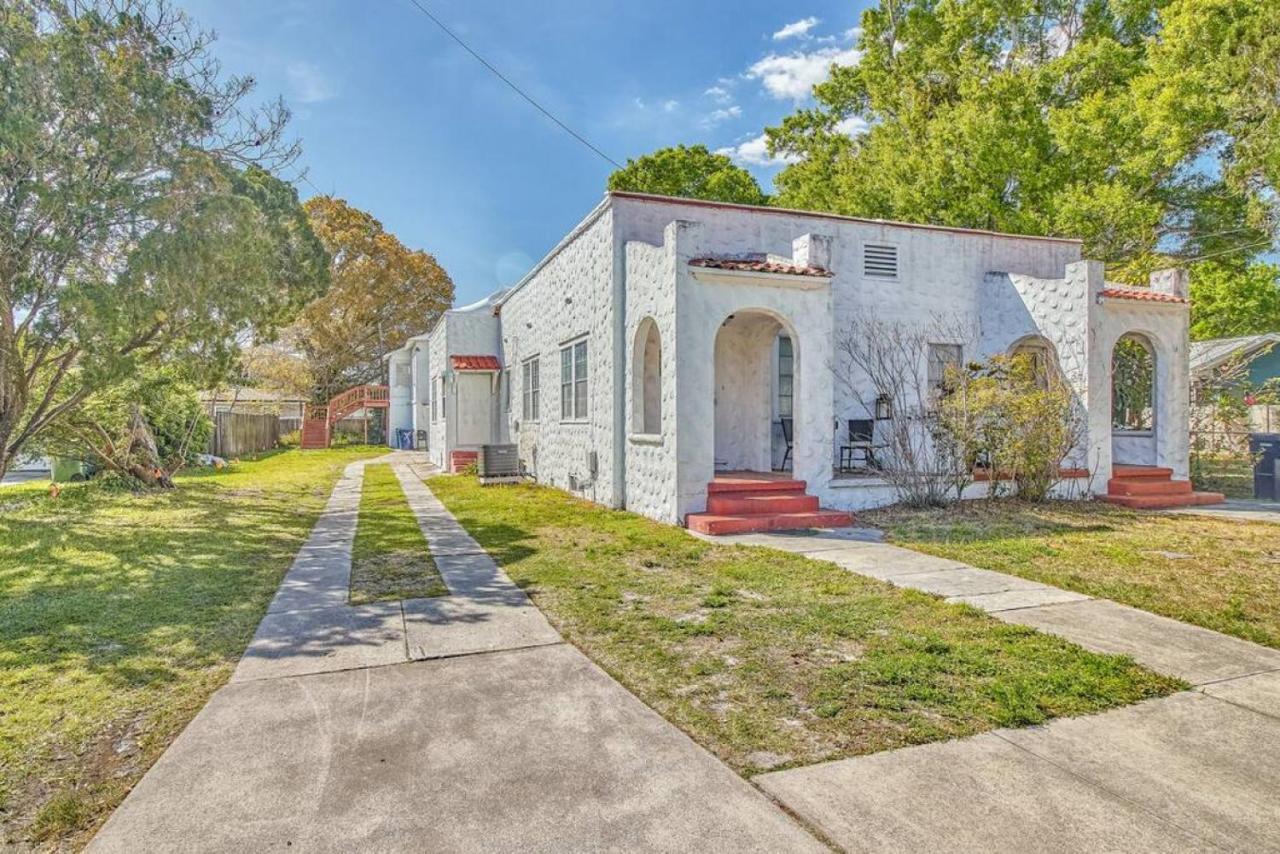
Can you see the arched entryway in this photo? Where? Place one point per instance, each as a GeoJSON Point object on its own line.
{"type": "Point", "coordinates": [1133, 401]}
{"type": "Point", "coordinates": [747, 414]}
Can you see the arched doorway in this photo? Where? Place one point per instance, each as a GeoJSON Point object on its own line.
{"type": "Point", "coordinates": [746, 403]}
{"type": "Point", "coordinates": [1133, 401]}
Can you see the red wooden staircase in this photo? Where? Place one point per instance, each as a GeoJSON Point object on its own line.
{"type": "Point", "coordinates": [318, 421]}
{"type": "Point", "coordinates": [1153, 488]}
{"type": "Point", "coordinates": [745, 502]}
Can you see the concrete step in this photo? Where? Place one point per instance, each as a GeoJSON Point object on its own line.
{"type": "Point", "coordinates": [1147, 486]}
{"type": "Point", "coordinates": [1163, 502]}
{"type": "Point", "coordinates": [751, 503]}
{"type": "Point", "coordinates": [745, 483]}
{"type": "Point", "coordinates": [459, 460]}
{"type": "Point", "coordinates": [1123, 472]}
{"type": "Point", "coordinates": [746, 523]}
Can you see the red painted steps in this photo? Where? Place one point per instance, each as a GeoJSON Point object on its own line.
{"type": "Point", "coordinates": [315, 434]}
{"type": "Point", "coordinates": [742, 503]}
{"type": "Point", "coordinates": [459, 460]}
{"type": "Point", "coordinates": [1153, 488]}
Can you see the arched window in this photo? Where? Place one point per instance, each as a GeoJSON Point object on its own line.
{"type": "Point", "coordinates": [1133, 385]}
{"type": "Point", "coordinates": [647, 379]}
{"type": "Point", "coordinates": [1039, 353]}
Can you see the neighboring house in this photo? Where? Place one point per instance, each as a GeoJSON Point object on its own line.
{"type": "Point", "coordinates": [255, 401]}
{"type": "Point", "coordinates": [663, 343]}
{"type": "Point", "coordinates": [1259, 352]}
{"type": "Point", "coordinates": [1259, 358]}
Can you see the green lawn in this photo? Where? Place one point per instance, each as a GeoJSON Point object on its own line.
{"type": "Point", "coordinates": [121, 614]}
{"type": "Point", "coordinates": [389, 559]}
{"type": "Point", "coordinates": [1220, 574]}
{"type": "Point", "coordinates": [771, 659]}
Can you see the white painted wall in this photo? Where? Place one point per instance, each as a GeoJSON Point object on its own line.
{"type": "Point", "coordinates": [627, 263]}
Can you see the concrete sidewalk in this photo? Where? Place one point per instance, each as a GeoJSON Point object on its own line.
{"type": "Point", "coordinates": [460, 723]}
{"type": "Point", "coordinates": [1195, 771]}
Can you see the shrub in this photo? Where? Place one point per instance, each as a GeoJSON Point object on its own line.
{"type": "Point", "coordinates": [1019, 422]}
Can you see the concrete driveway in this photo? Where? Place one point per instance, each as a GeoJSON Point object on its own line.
{"type": "Point", "coordinates": [462, 723]}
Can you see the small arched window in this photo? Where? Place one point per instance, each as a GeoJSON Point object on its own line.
{"type": "Point", "coordinates": [1133, 385]}
{"type": "Point", "coordinates": [647, 379]}
{"type": "Point", "coordinates": [1039, 353]}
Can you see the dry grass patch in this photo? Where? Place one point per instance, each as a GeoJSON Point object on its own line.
{"type": "Point", "coordinates": [1217, 573]}
{"type": "Point", "coordinates": [772, 659]}
{"type": "Point", "coordinates": [389, 559]}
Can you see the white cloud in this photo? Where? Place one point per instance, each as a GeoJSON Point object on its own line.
{"type": "Point", "coordinates": [755, 152]}
{"type": "Point", "coordinates": [718, 93]}
{"type": "Point", "coordinates": [793, 76]}
{"type": "Point", "coordinates": [669, 106]}
{"type": "Point", "coordinates": [309, 83]}
{"type": "Point", "coordinates": [853, 126]}
{"type": "Point", "coordinates": [722, 114]}
{"type": "Point", "coordinates": [796, 29]}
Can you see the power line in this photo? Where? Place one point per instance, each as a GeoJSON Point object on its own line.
{"type": "Point", "coordinates": [573, 133]}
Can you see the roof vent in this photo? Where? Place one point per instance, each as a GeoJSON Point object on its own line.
{"type": "Point", "coordinates": [880, 261]}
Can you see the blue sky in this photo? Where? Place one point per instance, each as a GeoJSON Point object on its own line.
{"type": "Point", "coordinates": [400, 121]}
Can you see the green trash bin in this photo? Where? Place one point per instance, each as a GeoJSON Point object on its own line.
{"type": "Point", "coordinates": [69, 470]}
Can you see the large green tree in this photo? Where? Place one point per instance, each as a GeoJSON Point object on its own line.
{"type": "Point", "coordinates": [141, 223]}
{"type": "Point", "coordinates": [382, 293]}
{"type": "Point", "coordinates": [690, 172]}
{"type": "Point", "coordinates": [1151, 128]}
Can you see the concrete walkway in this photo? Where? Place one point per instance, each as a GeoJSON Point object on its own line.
{"type": "Point", "coordinates": [460, 723]}
{"type": "Point", "coordinates": [1196, 771]}
{"type": "Point", "coordinates": [1236, 509]}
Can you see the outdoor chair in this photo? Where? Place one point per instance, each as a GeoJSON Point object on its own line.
{"type": "Point", "coordinates": [861, 442]}
{"type": "Point", "coordinates": [787, 432]}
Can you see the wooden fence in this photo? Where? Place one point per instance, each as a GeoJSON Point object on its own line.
{"type": "Point", "coordinates": [237, 433]}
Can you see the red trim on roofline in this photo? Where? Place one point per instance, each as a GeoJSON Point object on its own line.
{"type": "Point", "coordinates": [756, 266]}
{"type": "Point", "coordinates": [475, 363]}
{"type": "Point", "coordinates": [1142, 295]}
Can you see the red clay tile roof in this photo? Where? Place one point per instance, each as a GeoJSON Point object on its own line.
{"type": "Point", "coordinates": [475, 363]}
{"type": "Point", "coordinates": [1142, 294]}
{"type": "Point", "coordinates": [758, 266]}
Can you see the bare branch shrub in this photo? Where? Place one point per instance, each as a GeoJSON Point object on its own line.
{"type": "Point", "coordinates": [881, 359]}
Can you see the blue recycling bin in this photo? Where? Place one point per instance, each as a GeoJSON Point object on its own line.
{"type": "Point", "coordinates": [404, 439]}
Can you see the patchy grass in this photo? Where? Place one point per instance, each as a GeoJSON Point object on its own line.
{"type": "Point", "coordinates": [771, 659]}
{"type": "Point", "coordinates": [120, 614]}
{"type": "Point", "coordinates": [1230, 475]}
{"type": "Point", "coordinates": [389, 559]}
{"type": "Point", "coordinates": [1220, 574]}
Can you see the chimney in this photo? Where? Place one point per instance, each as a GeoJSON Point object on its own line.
{"type": "Point", "coordinates": [1174, 281]}
{"type": "Point", "coordinates": [811, 250]}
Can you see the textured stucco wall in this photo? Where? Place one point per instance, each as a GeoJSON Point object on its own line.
{"type": "Point", "coordinates": [1165, 326]}
{"type": "Point", "coordinates": [628, 262]}
{"type": "Point", "coordinates": [650, 461]}
{"type": "Point", "coordinates": [570, 297]}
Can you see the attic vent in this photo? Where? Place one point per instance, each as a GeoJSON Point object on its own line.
{"type": "Point", "coordinates": [880, 261]}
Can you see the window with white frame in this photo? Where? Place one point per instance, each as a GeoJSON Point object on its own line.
{"type": "Point", "coordinates": [573, 381]}
{"type": "Point", "coordinates": [942, 358]}
{"type": "Point", "coordinates": [435, 397]}
{"type": "Point", "coordinates": [786, 377]}
{"type": "Point", "coordinates": [529, 389]}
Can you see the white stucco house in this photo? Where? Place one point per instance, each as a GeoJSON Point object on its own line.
{"type": "Point", "coordinates": [658, 356]}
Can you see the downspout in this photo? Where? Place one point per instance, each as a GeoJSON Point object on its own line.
{"type": "Point", "coordinates": [619, 366]}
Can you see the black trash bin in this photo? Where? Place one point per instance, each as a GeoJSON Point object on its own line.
{"type": "Point", "coordinates": [1265, 450]}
